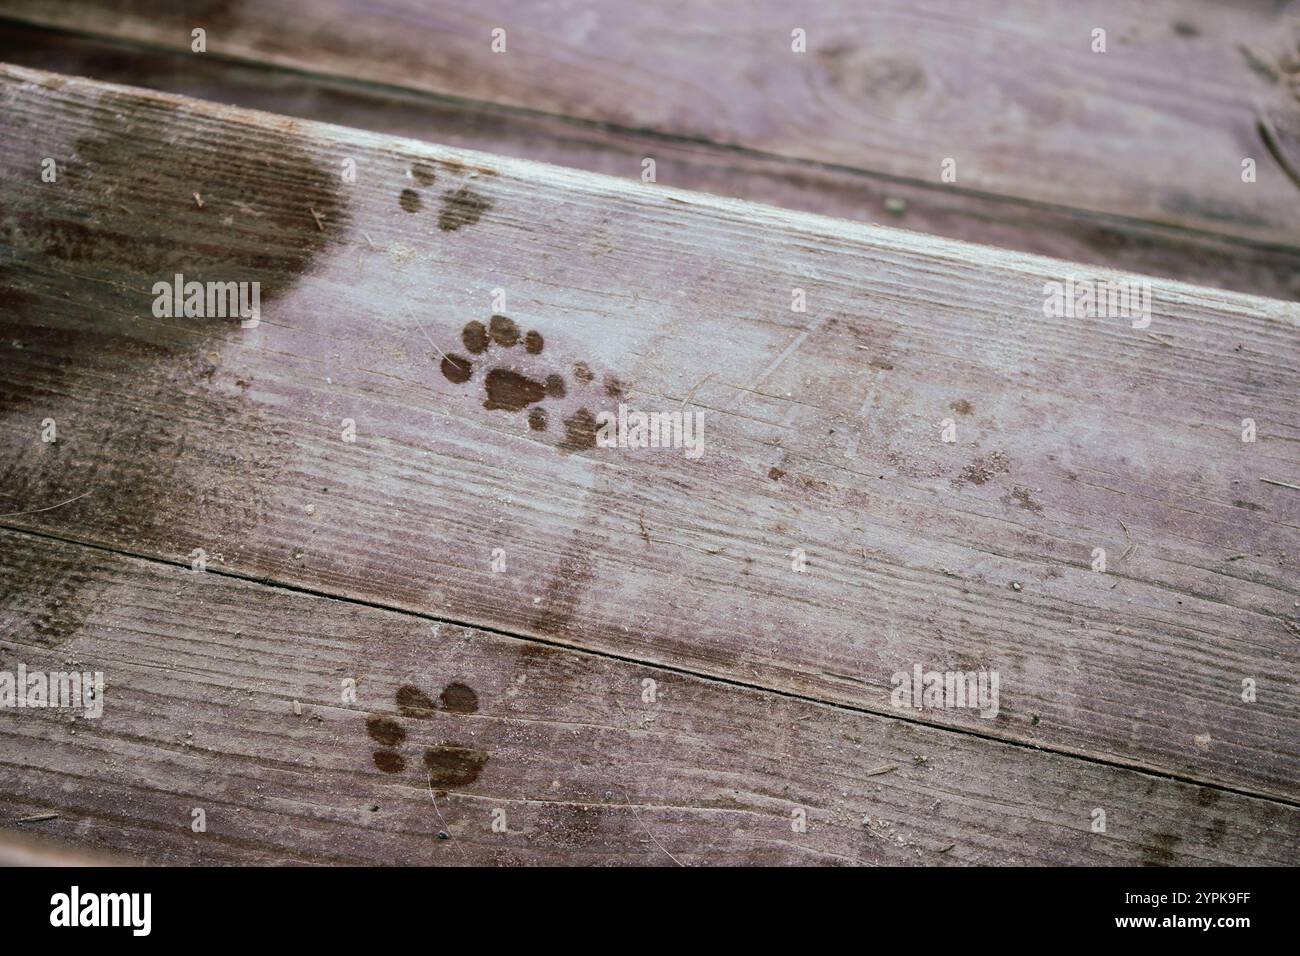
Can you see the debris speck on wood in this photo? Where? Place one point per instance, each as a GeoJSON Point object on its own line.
{"type": "Point", "coordinates": [38, 818]}
{"type": "Point", "coordinates": [320, 223]}
{"type": "Point", "coordinates": [1132, 545]}
{"type": "Point", "coordinates": [198, 200]}
{"type": "Point", "coordinates": [887, 768]}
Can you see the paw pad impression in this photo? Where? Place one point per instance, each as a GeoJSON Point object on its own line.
{"type": "Point", "coordinates": [449, 764]}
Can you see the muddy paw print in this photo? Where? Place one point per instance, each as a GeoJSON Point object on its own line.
{"type": "Point", "coordinates": [460, 207]}
{"type": "Point", "coordinates": [521, 379]}
{"type": "Point", "coordinates": [448, 764]}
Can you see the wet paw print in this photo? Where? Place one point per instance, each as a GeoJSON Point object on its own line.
{"type": "Point", "coordinates": [460, 207]}
{"type": "Point", "coordinates": [448, 764]}
{"type": "Point", "coordinates": [524, 382]}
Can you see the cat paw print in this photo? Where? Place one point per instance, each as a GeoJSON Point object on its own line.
{"type": "Point", "coordinates": [462, 206]}
{"type": "Point", "coordinates": [520, 379]}
{"type": "Point", "coordinates": [447, 765]}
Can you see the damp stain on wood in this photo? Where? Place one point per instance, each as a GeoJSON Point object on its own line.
{"type": "Point", "coordinates": [73, 343]}
{"type": "Point", "coordinates": [462, 207]}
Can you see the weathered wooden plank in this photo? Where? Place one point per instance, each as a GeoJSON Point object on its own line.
{"type": "Point", "coordinates": [1156, 127]}
{"type": "Point", "coordinates": [1097, 239]}
{"type": "Point", "coordinates": [24, 849]}
{"type": "Point", "coordinates": [823, 428]}
{"type": "Point", "coordinates": [227, 696]}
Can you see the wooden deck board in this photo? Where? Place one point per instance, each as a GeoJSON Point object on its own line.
{"type": "Point", "coordinates": [203, 671]}
{"type": "Point", "coordinates": [1154, 128]}
{"type": "Point", "coordinates": [822, 431]}
{"type": "Point", "coordinates": [1104, 239]}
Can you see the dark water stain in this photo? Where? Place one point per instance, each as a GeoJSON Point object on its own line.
{"type": "Point", "coordinates": [413, 702]}
{"type": "Point", "coordinates": [962, 407]}
{"type": "Point", "coordinates": [409, 200]}
{"type": "Point", "coordinates": [537, 652]}
{"type": "Point", "coordinates": [1161, 851]}
{"type": "Point", "coordinates": [13, 300]}
{"type": "Point", "coordinates": [456, 698]}
{"type": "Point", "coordinates": [1248, 505]}
{"type": "Point", "coordinates": [389, 761]}
{"type": "Point", "coordinates": [507, 389]}
{"type": "Point", "coordinates": [580, 431]}
{"type": "Point", "coordinates": [1207, 797]}
{"type": "Point", "coordinates": [456, 368]}
{"type": "Point", "coordinates": [424, 174]}
{"type": "Point", "coordinates": [385, 730]}
{"type": "Point", "coordinates": [475, 337]}
{"type": "Point", "coordinates": [510, 391]}
{"type": "Point", "coordinates": [1218, 830]}
{"type": "Point", "coordinates": [503, 330]}
{"type": "Point", "coordinates": [462, 207]}
{"type": "Point", "coordinates": [776, 474]}
{"type": "Point", "coordinates": [46, 594]}
{"type": "Point", "coordinates": [454, 765]}
{"type": "Point", "coordinates": [456, 167]}
{"type": "Point", "coordinates": [459, 699]}
{"type": "Point", "coordinates": [146, 414]}
{"type": "Point", "coordinates": [563, 593]}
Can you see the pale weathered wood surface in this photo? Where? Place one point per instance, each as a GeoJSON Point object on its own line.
{"type": "Point", "coordinates": [203, 672]}
{"type": "Point", "coordinates": [18, 848]}
{"type": "Point", "coordinates": [1104, 239]}
{"type": "Point", "coordinates": [1155, 128]}
{"type": "Point", "coordinates": [822, 429]}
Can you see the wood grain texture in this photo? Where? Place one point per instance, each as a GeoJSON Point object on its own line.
{"type": "Point", "coordinates": [1155, 128]}
{"type": "Point", "coordinates": [1114, 241]}
{"type": "Point", "coordinates": [823, 429]}
{"type": "Point", "coordinates": [225, 695]}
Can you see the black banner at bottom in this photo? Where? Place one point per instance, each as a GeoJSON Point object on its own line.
{"type": "Point", "coordinates": [332, 906]}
